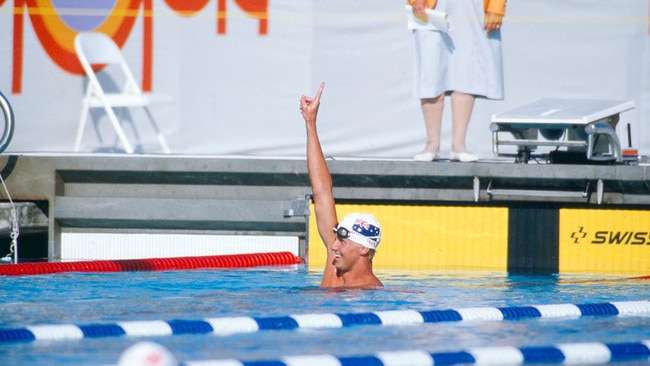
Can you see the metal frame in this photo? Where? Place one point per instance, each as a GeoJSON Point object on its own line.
{"type": "Point", "coordinates": [575, 124]}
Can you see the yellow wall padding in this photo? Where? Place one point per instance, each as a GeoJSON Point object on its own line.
{"type": "Point", "coordinates": [430, 237]}
{"type": "Point", "coordinates": [605, 241]}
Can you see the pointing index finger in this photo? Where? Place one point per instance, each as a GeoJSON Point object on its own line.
{"type": "Point", "coordinates": [319, 92]}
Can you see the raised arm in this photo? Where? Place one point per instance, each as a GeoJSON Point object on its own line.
{"type": "Point", "coordinates": [319, 175]}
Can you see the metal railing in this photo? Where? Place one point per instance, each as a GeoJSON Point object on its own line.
{"type": "Point", "coordinates": [7, 134]}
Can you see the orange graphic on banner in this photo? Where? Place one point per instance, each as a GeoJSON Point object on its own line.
{"type": "Point", "coordinates": [254, 8]}
{"type": "Point", "coordinates": [57, 38]}
{"type": "Point", "coordinates": [187, 8]}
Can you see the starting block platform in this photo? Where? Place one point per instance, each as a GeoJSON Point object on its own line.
{"type": "Point", "coordinates": [585, 128]}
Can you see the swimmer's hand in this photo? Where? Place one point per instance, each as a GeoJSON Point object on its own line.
{"type": "Point", "coordinates": [309, 106]}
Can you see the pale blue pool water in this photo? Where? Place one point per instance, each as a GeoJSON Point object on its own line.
{"type": "Point", "coordinates": [265, 292]}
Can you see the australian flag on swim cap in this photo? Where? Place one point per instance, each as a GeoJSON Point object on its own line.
{"type": "Point", "coordinates": [364, 229]}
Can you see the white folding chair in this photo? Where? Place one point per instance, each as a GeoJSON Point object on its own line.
{"type": "Point", "coordinates": [99, 49]}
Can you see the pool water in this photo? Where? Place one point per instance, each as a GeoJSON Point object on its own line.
{"type": "Point", "coordinates": [107, 298]}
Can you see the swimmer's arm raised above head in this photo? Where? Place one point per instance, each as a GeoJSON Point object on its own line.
{"type": "Point", "coordinates": [319, 174]}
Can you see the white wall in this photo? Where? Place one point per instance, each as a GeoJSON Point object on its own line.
{"type": "Point", "coordinates": [238, 93]}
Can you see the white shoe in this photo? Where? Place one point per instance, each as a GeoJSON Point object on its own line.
{"type": "Point", "coordinates": [463, 157]}
{"type": "Point", "coordinates": [426, 156]}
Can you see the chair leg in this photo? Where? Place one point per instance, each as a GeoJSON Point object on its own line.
{"type": "Point", "coordinates": [120, 119]}
{"type": "Point", "coordinates": [118, 129]}
{"type": "Point", "coordinates": [161, 138]}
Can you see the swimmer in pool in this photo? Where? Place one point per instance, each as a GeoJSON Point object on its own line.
{"type": "Point", "coordinates": [350, 243]}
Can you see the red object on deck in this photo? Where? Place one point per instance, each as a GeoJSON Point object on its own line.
{"type": "Point", "coordinates": [154, 264]}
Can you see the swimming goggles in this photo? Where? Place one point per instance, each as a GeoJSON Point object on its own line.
{"type": "Point", "coordinates": [341, 232]}
{"type": "Point", "coordinates": [371, 232]}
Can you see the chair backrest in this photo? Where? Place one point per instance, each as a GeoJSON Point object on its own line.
{"type": "Point", "coordinates": [97, 48]}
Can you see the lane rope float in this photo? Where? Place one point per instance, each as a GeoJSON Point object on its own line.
{"type": "Point", "coordinates": [564, 353]}
{"type": "Point", "coordinates": [154, 264]}
{"type": "Point", "coordinates": [244, 324]}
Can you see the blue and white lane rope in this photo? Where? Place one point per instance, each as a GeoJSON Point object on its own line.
{"type": "Point", "coordinates": [566, 353]}
{"type": "Point", "coordinates": [244, 324]}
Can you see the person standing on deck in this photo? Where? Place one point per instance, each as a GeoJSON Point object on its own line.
{"type": "Point", "coordinates": [350, 243]}
{"type": "Point", "coordinates": [464, 62]}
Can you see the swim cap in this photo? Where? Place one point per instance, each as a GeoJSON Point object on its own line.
{"type": "Point", "coordinates": [364, 229]}
{"type": "Point", "coordinates": [147, 354]}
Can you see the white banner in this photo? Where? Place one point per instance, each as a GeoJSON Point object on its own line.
{"type": "Point", "coordinates": [237, 92]}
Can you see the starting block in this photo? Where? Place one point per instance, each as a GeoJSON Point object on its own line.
{"type": "Point", "coordinates": [585, 128]}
